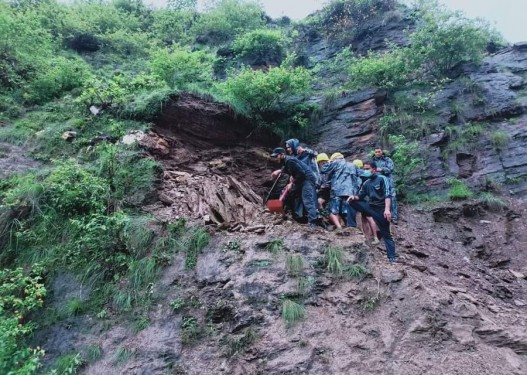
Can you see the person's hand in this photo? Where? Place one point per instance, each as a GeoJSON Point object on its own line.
{"type": "Point", "coordinates": [275, 173]}
{"type": "Point", "coordinates": [388, 215]}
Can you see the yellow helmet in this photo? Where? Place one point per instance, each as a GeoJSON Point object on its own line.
{"type": "Point", "coordinates": [336, 155]}
{"type": "Point", "coordinates": [358, 163]}
{"type": "Point", "coordinates": [322, 157]}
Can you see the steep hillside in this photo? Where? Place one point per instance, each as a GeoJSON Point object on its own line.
{"type": "Point", "coordinates": [134, 149]}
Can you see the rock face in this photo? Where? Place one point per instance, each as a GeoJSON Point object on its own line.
{"type": "Point", "coordinates": [494, 93]}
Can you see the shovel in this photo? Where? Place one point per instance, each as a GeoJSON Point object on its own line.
{"type": "Point", "coordinates": [276, 206]}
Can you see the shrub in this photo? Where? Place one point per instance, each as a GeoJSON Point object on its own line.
{"type": "Point", "coordinates": [271, 98]}
{"type": "Point", "coordinates": [388, 69]}
{"type": "Point", "coordinates": [446, 38]}
{"type": "Point", "coordinates": [181, 69]}
{"type": "Point", "coordinates": [72, 190]}
{"type": "Point", "coordinates": [60, 75]}
{"type": "Point", "coordinates": [20, 295]}
{"type": "Point", "coordinates": [227, 18]}
{"type": "Point", "coordinates": [499, 139]}
{"type": "Point", "coordinates": [458, 190]}
{"type": "Point", "coordinates": [409, 159]}
{"type": "Point", "coordinates": [260, 45]}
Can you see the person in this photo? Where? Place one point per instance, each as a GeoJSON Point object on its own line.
{"type": "Point", "coordinates": [304, 180]}
{"type": "Point", "coordinates": [385, 166]}
{"type": "Point", "coordinates": [369, 228]}
{"type": "Point", "coordinates": [304, 154]}
{"type": "Point", "coordinates": [344, 183]}
{"type": "Point", "coordinates": [377, 189]}
{"type": "Point", "coordinates": [325, 185]}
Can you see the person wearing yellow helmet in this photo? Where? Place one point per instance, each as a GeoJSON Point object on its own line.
{"type": "Point", "coordinates": [323, 157]}
{"type": "Point", "coordinates": [358, 163]}
{"type": "Point", "coordinates": [324, 189]}
{"type": "Point", "coordinates": [336, 155]}
{"type": "Point", "coordinates": [344, 183]}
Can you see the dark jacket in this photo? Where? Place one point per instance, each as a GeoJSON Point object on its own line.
{"type": "Point", "coordinates": [309, 158]}
{"type": "Point", "coordinates": [376, 189]}
{"type": "Point", "coordinates": [387, 166]}
{"type": "Point", "coordinates": [298, 170]}
{"type": "Point", "coordinates": [343, 177]}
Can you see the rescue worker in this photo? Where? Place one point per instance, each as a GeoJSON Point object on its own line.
{"type": "Point", "coordinates": [344, 183]}
{"type": "Point", "coordinates": [324, 189]}
{"type": "Point", "coordinates": [369, 228]}
{"type": "Point", "coordinates": [304, 181]}
{"type": "Point", "coordinates": [385, 166]}
{"type": "Point", "coordinates": [377, 189]}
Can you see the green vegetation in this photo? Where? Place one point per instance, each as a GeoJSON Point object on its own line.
{"type": "Point", "coordinates": [499, 139]}
{"type": "Point", "coordinates": [294, 264]}
{"type": "Point", "coordinates": [234, 344]}
{"type": "Point", "coordinates": [493, 202]}
{"type": "Point", "coordinates": [458, 190]}
{"type": "Point", "coordinates": [261, 96]}
{"type": "Point", "coordinates": [122, 355]}
{"type": "Point", "coordinates": [20, 295]}
{"type": "Point", "coordinates": [93, 353]}
{"type": "Point", "coordinates": [260, 45]}
{"type": "Point", "coordinates": [81, 211]}
{"type": "Point", "coordinates": [197, 240]}
{"type": "Point", "coordinates": [292, 312]}
{"type": "Point", "coordinates": [275, 246]}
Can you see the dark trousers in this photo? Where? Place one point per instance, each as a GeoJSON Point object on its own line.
{"type": "Point", "coordinates": [377, 213]}
{"type": "Point", "coordinates": [351, 216]}
{"type": "Point", "coordinates": [309, 198]}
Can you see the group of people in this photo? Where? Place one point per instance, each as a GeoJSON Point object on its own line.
{"type": "Point", "coordinates": [321, 186]}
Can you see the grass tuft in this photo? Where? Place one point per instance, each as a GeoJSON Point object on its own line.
{"type": "Point", "coordinates": [275, 246]}
{"type": "Point", "coordinates": [93, 353]}
{"type": "Point", "coordinates": [458, 190]}
{"type": "Point", "coordinates": [493, 202]}
{"type": "Point", "coordinates": [294, 264]}
{"type": "Point", "coordinates": [356, 271]}
{"type": "Point", "coordinates": [292, 312]}
{"type": "Point", "coordinates": [199, 238]}
{"type": "Point", "coordinates": [334, 260]}
{"type": "Point", "coordinates": [236, 343]}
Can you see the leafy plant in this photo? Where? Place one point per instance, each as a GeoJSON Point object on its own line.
{"type": "Point", "coordinates": [292, 312]}
{"type": "Point", "coordinates": [226, 18]}
{"type": "Point", "coordinates": [68, 364]}
{"type": "Point", "coordinates": [181, 68]}
{"type": "Point", "coordinates": [458, 190]}
{"type": "Point", "coordinates": [177, 304]}
{"type": "Point", "coordinates": [20, 295]}
{"type": "Point", "coordinates": [271, 98]}
{"type": "Point", "coordinates": [409, 159]}
{"type": "Point", "coordinates": [260, 45]}
{"type": "Point", "coordinates": [190, 330]}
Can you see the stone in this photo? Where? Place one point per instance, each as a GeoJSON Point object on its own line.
{"type": "Point", "coordinates": [391, 276]}
{"type": "Point", "coordinates": [94, 110]}
{"type": "Point", "coordinates": [517, 275]}
{"type": "Point", "coordinates": [69, 135]}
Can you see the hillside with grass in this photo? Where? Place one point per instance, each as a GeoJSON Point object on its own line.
{"type": "Point", "coordinates": [134, 148]}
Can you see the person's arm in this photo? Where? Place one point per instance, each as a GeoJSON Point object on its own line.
{"type": "Point", "coordinates": [276, 173]}
{"type": "Point", "coordinates": [387, 200]}
{"type": "Point", "coordinates": [387, 170]}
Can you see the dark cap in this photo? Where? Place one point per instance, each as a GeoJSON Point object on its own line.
{"type": "Point", "coordinates": [277, 151]}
